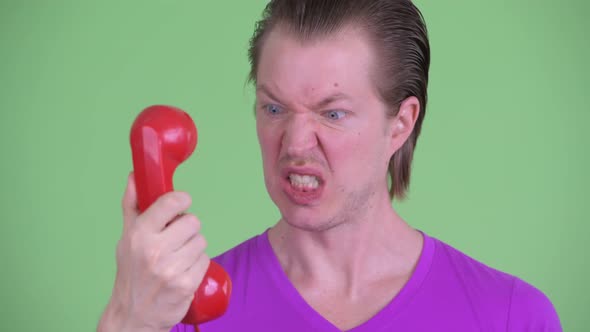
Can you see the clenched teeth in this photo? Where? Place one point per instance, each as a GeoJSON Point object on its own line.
{"type": "Point", "coordinates": [304, 181]}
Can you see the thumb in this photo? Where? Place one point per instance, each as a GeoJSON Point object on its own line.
{"type": "Point", "coordinates": [129, 202]}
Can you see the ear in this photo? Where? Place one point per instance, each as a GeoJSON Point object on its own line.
{"type": "Point", "coordinates": [403, 124]}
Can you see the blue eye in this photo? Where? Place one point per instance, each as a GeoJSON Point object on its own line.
{"type": "Point", "coordinates": [272, 109]}
{"type": "Point", "coordinates": [335, 115]}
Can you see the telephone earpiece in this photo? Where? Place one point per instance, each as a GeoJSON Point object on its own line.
{"type": "Point", "coordinates": [161, 138]}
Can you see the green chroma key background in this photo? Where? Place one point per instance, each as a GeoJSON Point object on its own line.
{"type": "Point", "coordinates": [500, 170]}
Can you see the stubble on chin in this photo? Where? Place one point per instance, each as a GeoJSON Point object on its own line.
{"type": "Point", "coordinates": [354, 208]}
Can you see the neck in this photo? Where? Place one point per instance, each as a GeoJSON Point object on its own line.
{"type": "Point", "coordinates": [376, 246]}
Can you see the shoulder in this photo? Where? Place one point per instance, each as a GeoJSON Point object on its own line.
{"type": "Point", "coordinates": [236, 253]}
{"type": "Point", "coordinates": [236, 260]}
{"type": "Point", "coordinates": [472, 273]}
{"type": "Point", "coordinates": [498, 295]}
{"type": "Point", "coordinates": [531, 309]}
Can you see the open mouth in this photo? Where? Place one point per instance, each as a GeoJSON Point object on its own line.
{"type": "Point", "coordinates": [304, 183]}
{"type": "Point", "coordinates": [303, 189]}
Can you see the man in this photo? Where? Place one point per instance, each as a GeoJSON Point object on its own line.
{"type": "Point", "coordinates": [340, 98]}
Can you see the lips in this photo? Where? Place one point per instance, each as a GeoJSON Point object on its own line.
{"type": "Point", "coordinates": [302, 185]}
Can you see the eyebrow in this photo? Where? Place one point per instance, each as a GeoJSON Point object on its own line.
{"type": "Point", "coordinates": [263, 89]}
{"type": "Point", "coordinates": [323, 103]}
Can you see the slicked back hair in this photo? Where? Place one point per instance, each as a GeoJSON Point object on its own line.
{"type": "Point", "coordinates": [396, 30]}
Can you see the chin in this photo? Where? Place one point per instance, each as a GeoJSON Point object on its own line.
{"type": "Point", "coordinates": [306, 219]}
{"type": "Point", "coordinates": [314, 217]}
{"type": "Point", "coordinates": [308, 226]}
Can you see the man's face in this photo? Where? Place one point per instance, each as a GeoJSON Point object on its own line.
{"type": "Point", "coordinates": [323, 131]}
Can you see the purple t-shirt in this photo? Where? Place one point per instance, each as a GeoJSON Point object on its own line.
{"type": "Point", "coordinates": [448, 291]}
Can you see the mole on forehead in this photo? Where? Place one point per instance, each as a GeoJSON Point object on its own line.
{"type": "Point", "coordinates": [312, 89]}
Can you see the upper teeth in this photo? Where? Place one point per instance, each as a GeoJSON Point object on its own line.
{"type": "Point", "coordinates": [304, 181]}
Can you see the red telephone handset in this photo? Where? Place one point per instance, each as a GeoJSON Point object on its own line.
{"type": "Point", "coordinates": [161, 138]}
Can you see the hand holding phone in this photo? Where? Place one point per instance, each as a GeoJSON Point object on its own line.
{"type": "Point", "coordinates": [161, 138]}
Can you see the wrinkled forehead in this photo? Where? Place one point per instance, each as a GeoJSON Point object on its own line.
{"type": "Point", "coordinates": [310, 68]}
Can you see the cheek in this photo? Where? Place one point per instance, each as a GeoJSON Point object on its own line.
{"type": "Point", "coordinates": [362, 153]}
{"type": "Point", "coordinates": [347, 155]}
{"type": "Point", "coordinates": [268, 148]}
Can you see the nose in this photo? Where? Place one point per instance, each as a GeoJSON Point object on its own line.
{"type": "Point", "coordinates": [300, 134]}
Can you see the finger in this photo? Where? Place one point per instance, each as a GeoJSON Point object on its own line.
{"type": "Point", "coordinates": [192, 278]}
{"type": "Point", "coordinates": [180, 231]}
{"type": "Point", "coordinates": [129, 201]}
{"type": "Point", "coordinates": [165, 209]}
{"type": "Point", "coordinates": [182, 269]}
{"type": "Point", "coordinates": [185, 257]}
{"type": "Point", "coordinates": [198, 270]}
